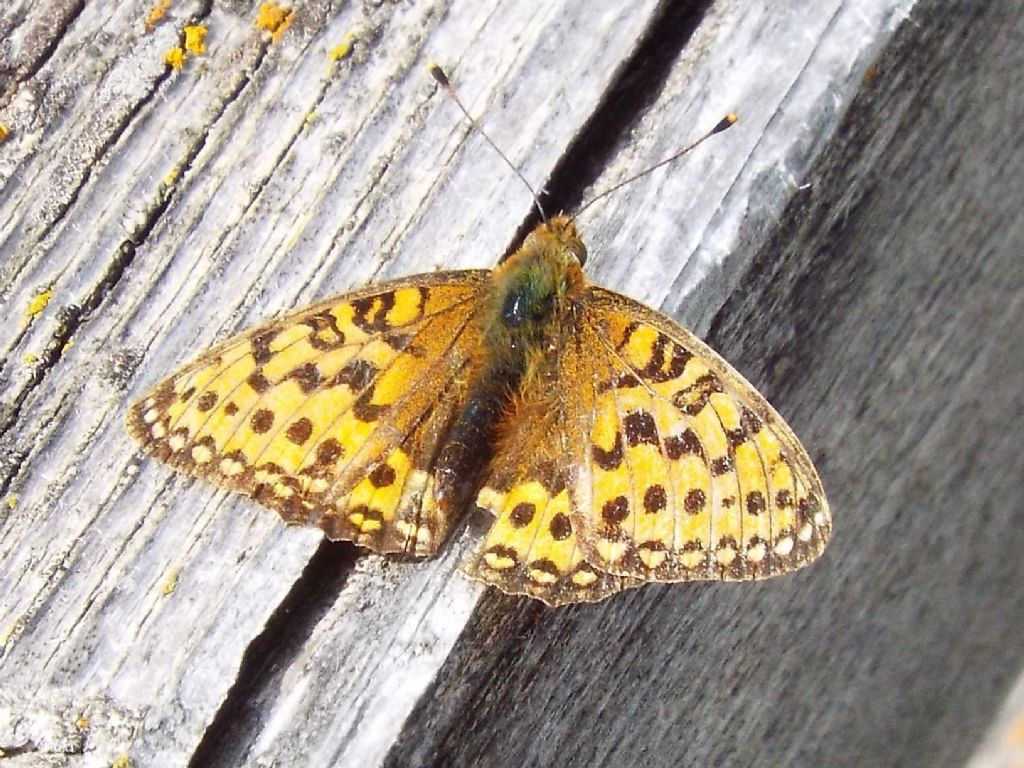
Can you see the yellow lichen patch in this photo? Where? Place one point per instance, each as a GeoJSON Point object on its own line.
{"type": "Point", "coordinates": [38, 304]}
{"type": "Point", "coordinates": [195, 38]}
{"type": "Point", "coordinates": [30, 358]}
{"type": "Point", "coordinates": [274, 19]}
{"type": "Point", "coordinates": [175, 58]}
{"type": "Point", "coordinates": [12, 629]}
{"type": "Point", "coordinates": [12, 501]}
{"type": "Point", "coordinates": [122, 762]}
{"type": "Point", "coordinates": [342, 49]}
{"type": "Point", "coordinates": [156, 13]}
{"type": "Point", "coordinates": [170, 583]}
{"type": "Point", "coordinates": [82, 722]}
{"type": "Point", "coordinates": [171, 177]}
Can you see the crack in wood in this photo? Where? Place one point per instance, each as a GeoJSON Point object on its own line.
{"type": "Point", "coordinates": [233, 729]}
{"type": "Point", "coordinates": [632, 90]}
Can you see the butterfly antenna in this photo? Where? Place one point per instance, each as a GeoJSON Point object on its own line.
{"type": "Point", "coordinates": [442, 79]}
{"type": "Point", "coordinates": [724, 123]}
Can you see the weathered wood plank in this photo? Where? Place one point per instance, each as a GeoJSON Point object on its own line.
{"type": "Point", "coordinates": [141, 588]}
{"type": "Point", "coordinates": [312, 681]}
{"type": "Point", "coordinates": [884, 315]}
{"type": "Point", "coordinates": [382, 180]}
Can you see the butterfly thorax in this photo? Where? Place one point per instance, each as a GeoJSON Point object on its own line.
{"type": "Point", "coordinates": [530, 298]}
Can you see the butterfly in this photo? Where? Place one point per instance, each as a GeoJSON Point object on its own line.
{"type": "Point", "coordinates": [611, 446]}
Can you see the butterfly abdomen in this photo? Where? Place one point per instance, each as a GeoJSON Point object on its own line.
{"type": "Point", "coordinates": [528, 295]}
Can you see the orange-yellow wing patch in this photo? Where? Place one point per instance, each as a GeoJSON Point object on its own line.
{"type": "Point", "coordinates": [332, 415]}
{"type": "Point", "coordinates": [685, 472]}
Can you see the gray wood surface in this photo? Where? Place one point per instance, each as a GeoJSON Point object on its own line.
{"type": "Point", "coordinates": [884, 316]}
{"type": "Point", "coordinates": [861, 264]}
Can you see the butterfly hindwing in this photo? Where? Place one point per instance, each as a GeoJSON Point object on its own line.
{"type": "Point", "coordinates": [331, 415]}
{"type": "Point", "coordinates": [684, 471]}
{"type": "Point", "coordinates": [531, 547]}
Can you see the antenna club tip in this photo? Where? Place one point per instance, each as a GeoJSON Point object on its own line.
{"type": "Point", "coordinates": [438, 74]}
{"type": "Point", "coordinates": [726, 122]}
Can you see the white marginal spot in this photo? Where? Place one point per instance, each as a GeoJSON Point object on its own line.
{"type": "Point", "coordinates": [265, 477]}
{"type": "Point", "coordinates": [542, 577]}
{"type": "Point", "coordinates": [756, 552]}
{"type": "Point", "coordinates": [611, 551]}
{"type": "Point", "coordinates": [805, 532]}
{"type": "Point", "coordinates": [784, 546]}
{"type": "Point", "coordinates": [820, 519]}
{"type": "Point", "coordinates": [158, 430]}
{"type": "Point", "coordinates": [652, 558]}
{"type": "Point", "coordinates": [692, 558]}
{"type": "Point", "coordinates": [151, 415]}
{"type": "Point", "coordinates": [498, 562]}
{"type": "Point", "coordinates": [201, 454]}
{"type": "Point", "coordinates": [725, 556]}
{"type": "Point", "coordinates": [231, 467]}
{"type": "Point", "coordinates": [177, 442]}
{"type": "Point", "coordinates": [584, 578]}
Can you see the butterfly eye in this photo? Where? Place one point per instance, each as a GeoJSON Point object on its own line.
{"type": "Point", "coordinates": [577, 249]}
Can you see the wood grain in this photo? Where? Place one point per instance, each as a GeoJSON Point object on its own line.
{"type": "Point", "coordinates": [883, 316]}
{"type": "Point", "coordinates": [169, 209]}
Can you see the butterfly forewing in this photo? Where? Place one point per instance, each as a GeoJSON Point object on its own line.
{"type": "Point", "coordinates": [687, 473]}
{"type": "Point", "coordinates": [331, 415]}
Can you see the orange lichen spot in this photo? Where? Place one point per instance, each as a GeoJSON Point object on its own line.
{"type": "Point", "coordinates": [274, 19]}
{"type": "Point", "coordinates": [156, 13]}
{"type": "Point", "coordinates": [195, 39]}
{"type": "Point", "coordinates": [342, 49]}
{"type": "Point", "coordinates": [175, 58]}
{"type": "Point", "coordinates": [4, 131]}
{"type": "Point", "coordinates": [38, 303]}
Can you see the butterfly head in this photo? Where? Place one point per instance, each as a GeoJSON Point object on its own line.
{"type": "Point", "coordinates": [559, 237]}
